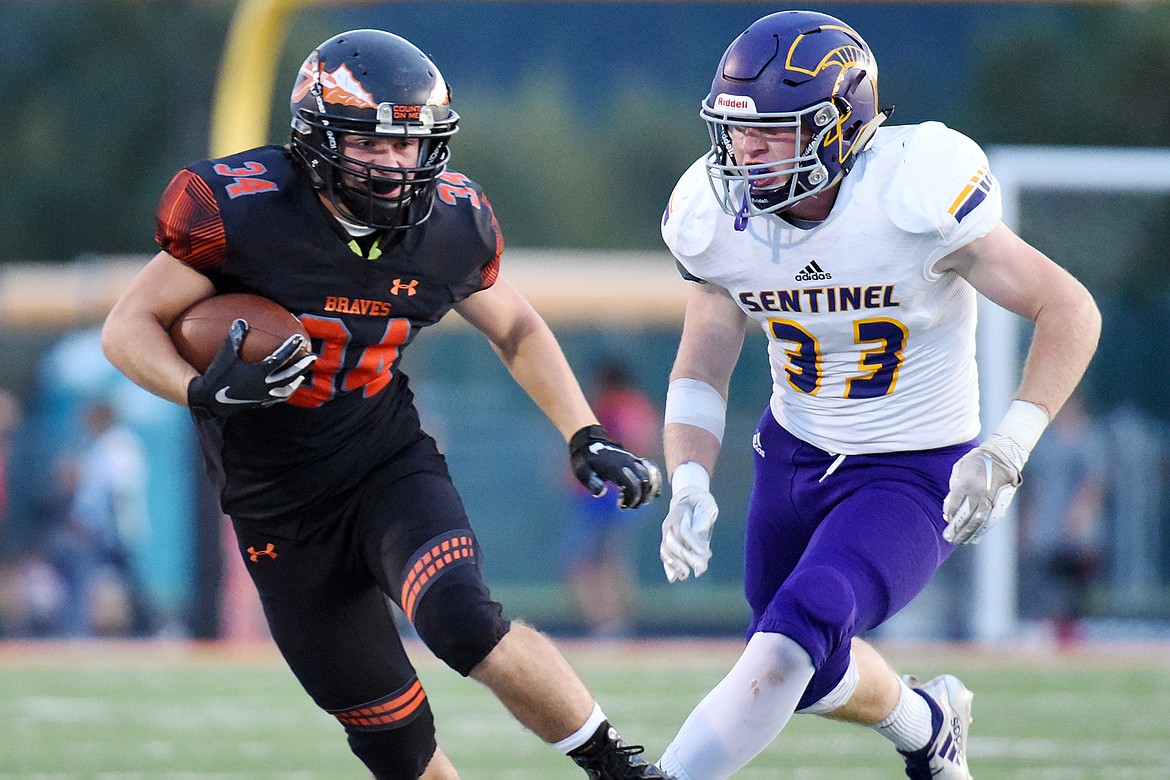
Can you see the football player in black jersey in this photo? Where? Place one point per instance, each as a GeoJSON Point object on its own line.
{"type": "Point", "coordinates": [337, 497]}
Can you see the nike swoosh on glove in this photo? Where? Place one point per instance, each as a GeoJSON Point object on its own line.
{"type": "Point", "coordinates": [597, 459]}
{"type": "Point", "coordinates": [230, 385]}
{"type": "Point", "coordinates": [983, 483]}
{"type": "Point", "coordinates": [686, 533]}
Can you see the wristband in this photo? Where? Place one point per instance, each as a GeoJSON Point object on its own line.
{"type": "Point", "coordinates": [694, 402]}
{"type": "Point", "coordinates": [690, 474]}
{"type": "Point", "coordinates": [1019, 430]}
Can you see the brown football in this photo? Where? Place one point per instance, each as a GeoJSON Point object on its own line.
{"type": "Point", "coordinates": [199, 332]}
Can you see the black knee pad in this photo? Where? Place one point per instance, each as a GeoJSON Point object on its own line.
{"type": "Point", "coordinates": [393, 736]}
{"type": "Point", "coordinates": [458, 620]}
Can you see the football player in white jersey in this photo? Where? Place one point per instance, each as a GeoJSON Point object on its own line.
{"type": "Point", "coordinates": [860, 250]}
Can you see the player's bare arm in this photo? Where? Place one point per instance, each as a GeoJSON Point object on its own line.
{"type": "Point", "coordinates": [696, 407]}
{"type": "Point", "coordinates": [528, 348]}
{"type": "Point", "coordinates": [1015, 275]}
{"type": "Point", "coordinates": [713, 334]}
{"type": "Point", "coordinates": [134, 337]}
{"type": "Point", "coordinates": [1020, 278]}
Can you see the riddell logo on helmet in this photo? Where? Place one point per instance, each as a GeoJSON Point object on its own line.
{"type": "Point", "coordinates": [735, 103]}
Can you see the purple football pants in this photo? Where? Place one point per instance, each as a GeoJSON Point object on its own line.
{"type": "Point", "coordinates": [828, 557]}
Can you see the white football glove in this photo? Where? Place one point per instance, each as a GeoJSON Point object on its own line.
{"type": "Point", "coordinates": [983, 483]}
{"type": "Point", "coordinates": [686, 532]}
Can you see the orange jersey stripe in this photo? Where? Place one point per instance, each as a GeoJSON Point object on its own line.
{"type": "Point", "coordinates": [492, 270]}
{"type": "Point", "coordinates": [190, 227]}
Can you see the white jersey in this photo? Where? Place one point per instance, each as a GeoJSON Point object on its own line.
{"type": "Point", "coordinates": [870, 350]}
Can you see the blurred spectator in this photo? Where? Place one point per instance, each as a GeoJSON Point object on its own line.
{"type": "Point", "coordinates": [31, 593]}
{"type": "Point", "coordinates": [41, 594]}
{"type": "Point", "coordinates": [104, 520]}
{"type": "Point", "coordinates": [599, 537]}
{"type": "Point", "coordinates": [1062, 538]}
{"type": "Point", "coordinates": [55, 541]}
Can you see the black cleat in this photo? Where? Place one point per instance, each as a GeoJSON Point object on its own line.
{"type": "Point", "coordinates": [606, 757]}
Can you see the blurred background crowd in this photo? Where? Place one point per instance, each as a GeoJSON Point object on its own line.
{"type": "Point", "coordinates": [577, 120]}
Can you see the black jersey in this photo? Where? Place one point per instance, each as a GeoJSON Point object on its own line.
{"type": "Point", "coordinates": [253, 223]}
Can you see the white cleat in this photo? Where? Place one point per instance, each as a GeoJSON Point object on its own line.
{"type": "Point", "coordinates": [945, 756]}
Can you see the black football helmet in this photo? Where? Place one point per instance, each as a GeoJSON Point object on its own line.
{"type": "Point", "coordinates": [372, 83]}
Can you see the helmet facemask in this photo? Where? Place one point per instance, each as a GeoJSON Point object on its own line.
{"type": "Point", "coordinates": [360, 190]}
{"type": "Point", "coordinates": [742, 188]}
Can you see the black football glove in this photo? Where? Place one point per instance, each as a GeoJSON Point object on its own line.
{"type": "Point", "coordinates": [598, 459]}
{"type": "Point", "coordinates": [230, 385]}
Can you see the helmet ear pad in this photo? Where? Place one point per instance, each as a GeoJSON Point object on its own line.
{"type": "Point", "coordinates": [307, 151]}
{"type": "Point", "coordinates": [838, 147]}
{"type": "Point", "coordinates": [857, 90]}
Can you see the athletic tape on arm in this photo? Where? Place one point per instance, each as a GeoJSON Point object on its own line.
{"type": "Point", "coordinates": [690, 474]}
{"type": "Point", "coordinates": [1022, 426]}
{"type": "Point", "coordinates": [694, 402]}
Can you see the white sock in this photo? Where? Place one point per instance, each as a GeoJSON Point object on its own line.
{"type": "Point", "coordinates": [909, 724]}
{"type": "Point", "coordinates": [743, 713]}
{"type": "Point", "coordinates": [582, 735]}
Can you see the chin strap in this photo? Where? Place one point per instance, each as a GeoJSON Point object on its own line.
{"type": "Point", "coordinates": [745, 211]}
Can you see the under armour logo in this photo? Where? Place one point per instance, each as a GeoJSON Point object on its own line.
{"type": "Point", "coordinates": [408, 287]}
{"type": "Point", "coordinates": [255, 554]}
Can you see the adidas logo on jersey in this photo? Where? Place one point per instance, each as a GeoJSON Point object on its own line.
{"type": "Point", "coordinates": [812, 273]}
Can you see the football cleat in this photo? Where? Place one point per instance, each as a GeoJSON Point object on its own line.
{"type": "Point", "coordinates": [607, 757]}
{"type": "Point", "coordinates": [945, 756]}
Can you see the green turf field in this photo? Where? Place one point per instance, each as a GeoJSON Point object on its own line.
{"type": "Point", "coordinates": [121, 712]}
